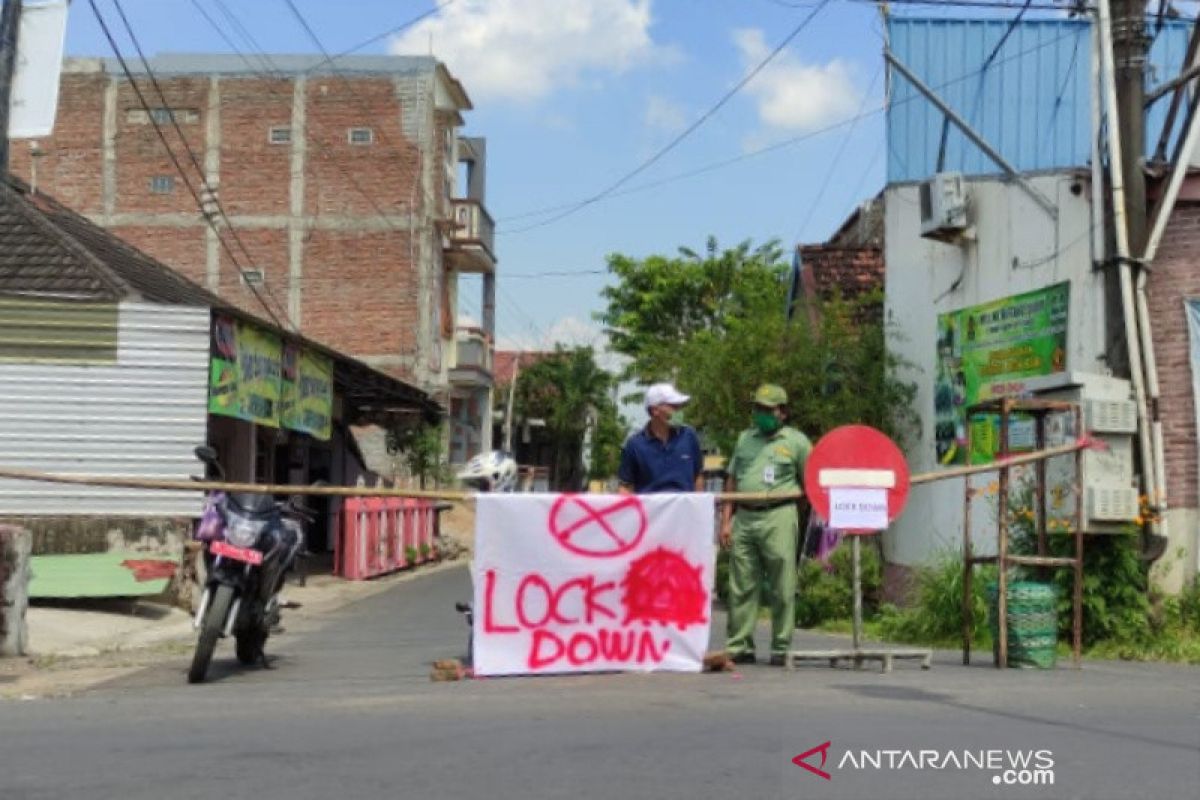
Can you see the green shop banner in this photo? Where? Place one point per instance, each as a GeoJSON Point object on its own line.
{"type": "Point", "coordinates": [990, 351]}
{"type": "Point", "coordinates": [245, 373]}
{"type": "Point", "coordinates": [307, 392]}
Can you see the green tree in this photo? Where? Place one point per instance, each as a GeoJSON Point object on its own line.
{"type": "Point", "coordinates": [420, 446]}
{"type": "Point", "coordinates": [720, 330]}
{"type": "Point", "coordinates": [658, 303]}
{"type": "Point", "coordinates": [571, 392]}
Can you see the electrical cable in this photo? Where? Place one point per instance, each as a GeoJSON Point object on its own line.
{"type": "Point", "coordinates": [209, 190]}
{"type": "Point", "coordinates": [686, 132]}
{"type": "Point", "coordinates": [171, 154]}
{"type": "Point", "coordinates": [782, 144]}
{"type": "Point", "coordinates": [837, 159]}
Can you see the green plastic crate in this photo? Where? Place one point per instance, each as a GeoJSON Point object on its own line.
{"type": "Point", "coordinates": [1032, 624]}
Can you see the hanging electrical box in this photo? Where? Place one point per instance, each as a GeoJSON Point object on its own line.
{"type": "Point", "coordinates": [1110, 495]}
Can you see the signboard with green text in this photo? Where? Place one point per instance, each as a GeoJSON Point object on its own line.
{"type": "Point", "coordinates": [307, 392]}
{"type": "Point", "coordinates": [990, 351]}
{"type": "Point", "coordinates": [255, 376]}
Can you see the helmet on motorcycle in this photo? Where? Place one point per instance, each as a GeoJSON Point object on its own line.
{"type": "Point", "coordinates": [490, 472]}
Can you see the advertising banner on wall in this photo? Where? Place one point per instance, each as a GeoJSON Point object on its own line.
{"type": "Point", "coordinates": [307, 404]}
{"type": "Point", "coordinates": [245, 372]}
{"type": "Point", "coordinates": [990, 351]}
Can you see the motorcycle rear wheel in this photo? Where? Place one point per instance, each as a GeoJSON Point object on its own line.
{"type": "Point", "coordinates": [210, 631]}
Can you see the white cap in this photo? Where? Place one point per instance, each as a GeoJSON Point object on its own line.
{"type": "Point", "coordinates": [665, 394]}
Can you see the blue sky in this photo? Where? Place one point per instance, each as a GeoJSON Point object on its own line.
{"type": "Point", "coordinates": [572, 94]}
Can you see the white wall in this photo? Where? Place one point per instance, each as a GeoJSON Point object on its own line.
{"type": "Point", "coordinates": [141, 416]}
{"type": "Point", "coordinates": [1008, 225]}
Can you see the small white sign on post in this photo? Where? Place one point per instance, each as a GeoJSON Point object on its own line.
{"type": "Point", "coordinates": [857, 508]}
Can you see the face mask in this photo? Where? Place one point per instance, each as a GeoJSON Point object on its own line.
{"type": "Point", "coordinates": [765, 421]}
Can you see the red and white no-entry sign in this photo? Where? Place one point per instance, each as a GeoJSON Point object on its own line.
{"type": "Point", "coordinates": [857, 479]}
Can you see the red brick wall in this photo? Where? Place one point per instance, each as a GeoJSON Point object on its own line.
{"type": "Point", "coordinates": [1175, 278]}
{"type": "Point", "coordinates": [361, 292]}
{"type": "Point", "coordinates": [140, 153]}
{"type": "Point", "coordinates": [72, 167]}
{"type": "Point", "coordinates": [359, 286]}
{"type": "Point", "coordinates": [182, 248]}
{"type": "Point", "coordinates": [339, 174]}
{"type": "Point", "coordinates": [268, 253]}
{"type": "Point", "coordinates": [255, 175]}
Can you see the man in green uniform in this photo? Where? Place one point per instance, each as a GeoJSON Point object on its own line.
{"type": "Point", "coordinates": [768, 458]}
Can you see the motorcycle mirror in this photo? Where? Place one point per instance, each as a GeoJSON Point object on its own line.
{"type": "Point", "coordinates": [206, 454]}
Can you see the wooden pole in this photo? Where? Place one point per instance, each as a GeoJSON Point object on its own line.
{"type": "Point", "coordinates": [1039, 501]}
{"type": "Point", "coordinates": [1002, 545]}
{"type": "Point", "coordinates": [1077, 598]}
{"type": "Point", "coordinates": [968, 610]}
{"type": "Point", "coordinates": [13, 473]}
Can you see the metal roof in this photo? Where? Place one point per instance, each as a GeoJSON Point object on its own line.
{"type": "Point", "coordinates": [1032, 103]}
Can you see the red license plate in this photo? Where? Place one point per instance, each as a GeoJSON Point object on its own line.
{"type": "Point", "coordinates": [243, 554]}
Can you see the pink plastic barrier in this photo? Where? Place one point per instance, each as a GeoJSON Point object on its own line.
{"type": "Point", "coordinates": [379, 535]}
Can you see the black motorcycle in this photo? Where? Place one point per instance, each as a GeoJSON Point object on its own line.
{"type": "Point", "coordinates": [251, 541]}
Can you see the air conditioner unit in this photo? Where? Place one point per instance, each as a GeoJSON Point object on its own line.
{"type": "Point", "coordinates": [943, 206]}
{"type": "Point", "coordinates": [1111, 503]}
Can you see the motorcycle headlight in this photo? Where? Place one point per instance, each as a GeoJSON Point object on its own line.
{"type": "Point", "coordinates": [243, 532]}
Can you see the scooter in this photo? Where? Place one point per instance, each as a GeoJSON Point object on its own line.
{"type": "Point", "coordinates": [251, 541]}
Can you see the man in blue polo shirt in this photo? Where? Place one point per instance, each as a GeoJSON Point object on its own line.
{"type": "Point", "coordinates": [662, 457]}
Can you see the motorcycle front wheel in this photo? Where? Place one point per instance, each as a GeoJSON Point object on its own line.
{"type": "Point", "coordinates": [250, 647]}
{"type": "Point", "coordinates": [210, 631]}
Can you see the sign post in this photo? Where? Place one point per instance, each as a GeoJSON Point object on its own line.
{"type": "Point", "coordinates": [858, 480]}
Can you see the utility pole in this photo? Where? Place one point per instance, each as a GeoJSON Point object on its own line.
{"type": "Point", "coordinates": [508, 410]}
{"type": "Point", "coordinates": [1130, 45]}
{"type": "Point", "coordinates": [10, 23]}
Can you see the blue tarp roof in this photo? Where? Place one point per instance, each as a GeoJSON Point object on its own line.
{"type": "Point", "coordinates": [1032, 103]}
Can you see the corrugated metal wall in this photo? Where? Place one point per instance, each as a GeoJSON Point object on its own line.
{"type": "Point", "coordinates": [1033, 103]}
{"type": "Point", "coordinates": [141, 416]}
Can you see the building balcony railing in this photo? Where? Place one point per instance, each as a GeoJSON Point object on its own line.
{"type": "Point", "coordinates": [472, 238]}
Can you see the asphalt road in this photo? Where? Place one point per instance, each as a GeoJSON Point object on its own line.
{"type": "Point", "coordinates": [349, 712]}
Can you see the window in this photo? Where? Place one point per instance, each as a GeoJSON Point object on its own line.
{"type": "Point", "coordinates": [162, 184]}
{"type": "Point", "coordinates": [162, 116]}
{"type": "Point", "coordinates": [361, 136]}
{"type": "Point", "coordinates": [280, 134]}
{"type": "Point", "coordinates": [252, 277]}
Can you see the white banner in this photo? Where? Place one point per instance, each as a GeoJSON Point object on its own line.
{"type": "Point", "coordinates": [34, 98]}
{"type": "Point", "coordinates": [588, 582]}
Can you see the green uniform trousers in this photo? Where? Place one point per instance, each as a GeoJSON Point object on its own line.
{"type": "Point", "coordinates": [764, 546]}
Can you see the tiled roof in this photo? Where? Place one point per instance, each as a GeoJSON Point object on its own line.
{"type": "Point", "coordinates": [46, 248]}
{"type": "Point", "coordinates": [504, 363]}
{"type": "Point", "coordinates": [854, 271]}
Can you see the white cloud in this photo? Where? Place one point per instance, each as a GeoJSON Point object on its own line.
{"type": "Point", "coordinates": [663, 114]}
{"type": "Point", "coordinates": [568, 332]}
{"type": "Point", "coordinates": [525, 49]}
{"type": "Point", "coordinates": [793, 95]}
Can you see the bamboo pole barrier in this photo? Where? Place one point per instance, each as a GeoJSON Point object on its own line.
{"type": "Point", "coordinates": [461, 496]}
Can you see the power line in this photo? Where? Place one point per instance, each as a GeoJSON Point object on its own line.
{"type": "Point", "coordinates": [272, 71]}
{"type": "Point", "coordinates": [678, 139]}
{"type": "Point", "coordinates": [211, 193]}
{"type": "Point", "coordinates": [782, 144]}
{"type": "Point", "coordinates": [438, 7]}
{"type": "Point", "coordinates": [171, 154]}
{"type": "Point", "coordinates": [555, 273]}
{"type": "Point", "coordinates": [833, 165]}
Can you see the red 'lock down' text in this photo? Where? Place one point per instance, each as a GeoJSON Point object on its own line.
{"type": "Point", "coordinates": [544, 609]}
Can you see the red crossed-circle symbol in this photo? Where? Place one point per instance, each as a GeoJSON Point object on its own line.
{"type": "Point", "coordinates": [607, 531]}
